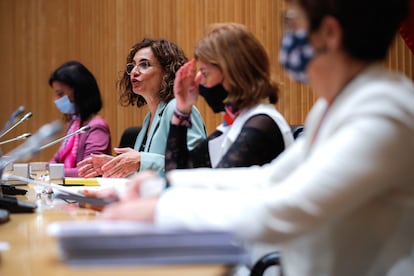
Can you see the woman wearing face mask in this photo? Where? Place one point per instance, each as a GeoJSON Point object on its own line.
{"type": "Point", "coordinates": [79, 99]}
{"type": "Point", "coordinates": [339, 201]}
{"type": "Point", "coordinates": [237, 83]}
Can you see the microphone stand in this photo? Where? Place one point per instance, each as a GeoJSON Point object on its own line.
{"type": "Point", "coordinates": [20, 137]}
{"type": "Point", "coordinates": [6, 160]}
{"type": "Point", "coordinates": [25, 117]}
{"type": "Point", "coordinates": [81, 130]}
{"type": "Point", "coordinates": [19, 111]}
{"type": "Point", "coordinates": [24, 151]}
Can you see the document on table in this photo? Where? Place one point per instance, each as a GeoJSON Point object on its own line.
{"type": "Point", "coordinates": [135, 243]}
{"type": "Point", "coordinates": [74, 192]}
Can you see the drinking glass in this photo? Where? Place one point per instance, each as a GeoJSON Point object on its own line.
{"type": "Point", "coordinates": [39, 171]}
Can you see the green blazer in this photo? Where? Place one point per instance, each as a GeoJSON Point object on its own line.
{"type": "Point", "coordinates": [153, 154]}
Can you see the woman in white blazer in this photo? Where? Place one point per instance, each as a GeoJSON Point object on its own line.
{"type": "Point", "coordinates": [340, 200]}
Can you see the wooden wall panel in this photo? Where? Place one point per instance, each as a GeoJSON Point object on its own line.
{"type": "Point", "coordinates": [37, 36]}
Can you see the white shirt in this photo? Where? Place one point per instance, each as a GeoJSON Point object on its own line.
{"type": "Point", "coordinates": [343, 205]}
{"type": "Point", "coordinates": [219, 146]}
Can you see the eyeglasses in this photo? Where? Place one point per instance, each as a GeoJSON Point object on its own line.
{"type": "Point", "coordinates": [142, 67]}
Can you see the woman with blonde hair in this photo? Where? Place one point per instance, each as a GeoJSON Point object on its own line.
{"type": "Point", "coordinates": [234, 78]}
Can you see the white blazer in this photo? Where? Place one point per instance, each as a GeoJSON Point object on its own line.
{"type": "Point", "coordinates": [343, 205]}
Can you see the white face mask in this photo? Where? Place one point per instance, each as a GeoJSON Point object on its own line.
{"type": "Point", "coordinates": [65, 105]}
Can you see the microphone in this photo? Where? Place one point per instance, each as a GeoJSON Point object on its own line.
{"type": "Point", "coordinates": [31, 147]}
{"type": "Point", "coordinates": [25, 151]}
{"type": "Point", "coordinates": [24, 118]}
{"type": "Point", "coordinates": [20, 137]}
{"type": "Point", "coordinates": [80, 130]}
{"type": "Point", "coordinates": [19, 111]}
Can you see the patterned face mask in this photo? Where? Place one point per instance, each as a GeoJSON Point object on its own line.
{"type": "Point", "coordinates": [296, 53]}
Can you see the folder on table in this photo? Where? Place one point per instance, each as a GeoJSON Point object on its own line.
{"type": "Point", "coordinates": [80, 181]}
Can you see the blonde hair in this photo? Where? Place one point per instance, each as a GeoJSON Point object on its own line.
{"type": "Point", "coordinates": [243, 61]}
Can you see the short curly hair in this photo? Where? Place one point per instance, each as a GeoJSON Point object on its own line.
{"type": "Point", "coordinates": [170, 57]}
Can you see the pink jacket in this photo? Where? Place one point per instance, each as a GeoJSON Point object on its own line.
{"type": "Point", "coordinates": [96, 140]}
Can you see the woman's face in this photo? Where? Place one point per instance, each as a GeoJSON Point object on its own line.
{"type": "Point", "coordinates": [209, 75]}
{"type": "Point", "coordinates": [328, 55]}
{"type": "Point", "coordinates": [62, 89]}
{"type": "Point", "coordinates": [296, 22]}
{"type": "Point", "coordinates": [147, 74]}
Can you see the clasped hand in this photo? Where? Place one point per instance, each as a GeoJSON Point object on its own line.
{"type": "Point", "coordinates": [123, 165]}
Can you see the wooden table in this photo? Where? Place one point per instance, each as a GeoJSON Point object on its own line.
{"type": "Point", "coordinates": [32, 252]}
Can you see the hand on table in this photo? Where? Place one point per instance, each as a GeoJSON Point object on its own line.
{"type": "Point", "coordinates": [109, 194]}
{"type": "Point", "coordinates": [130, 205]}
{"type": "Point", "coordinates": [142, 209]}
{"type": "Point", "coordinates": [123, 165]}
{"type": "Point", "coordinates": [92, 165]}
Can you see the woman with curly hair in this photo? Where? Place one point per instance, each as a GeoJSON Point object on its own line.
{"type": "Point", "coordinates": [148, 80]}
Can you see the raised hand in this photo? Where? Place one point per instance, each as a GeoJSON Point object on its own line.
{"type": "Point", "coordinates": [185, 87]}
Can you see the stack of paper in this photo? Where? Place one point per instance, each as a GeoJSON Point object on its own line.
{"type": "Point", "coordinates": [133, 243]}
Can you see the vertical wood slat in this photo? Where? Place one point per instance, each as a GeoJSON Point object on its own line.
{"type": "Point", "coordinates": [37, 36]}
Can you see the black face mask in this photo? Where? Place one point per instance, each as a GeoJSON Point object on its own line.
{"type": "Point", "coordinates": [214, 96]}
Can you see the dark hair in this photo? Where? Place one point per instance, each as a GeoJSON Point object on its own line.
{"type": "Point", "coordinates": [168, 55]}
{"type": "Point", "coordinates": [369, 26]}
{"type": "Point", "coordinates": [86, 92]}
{"type": "Point", "coordinates": [243, 61]}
